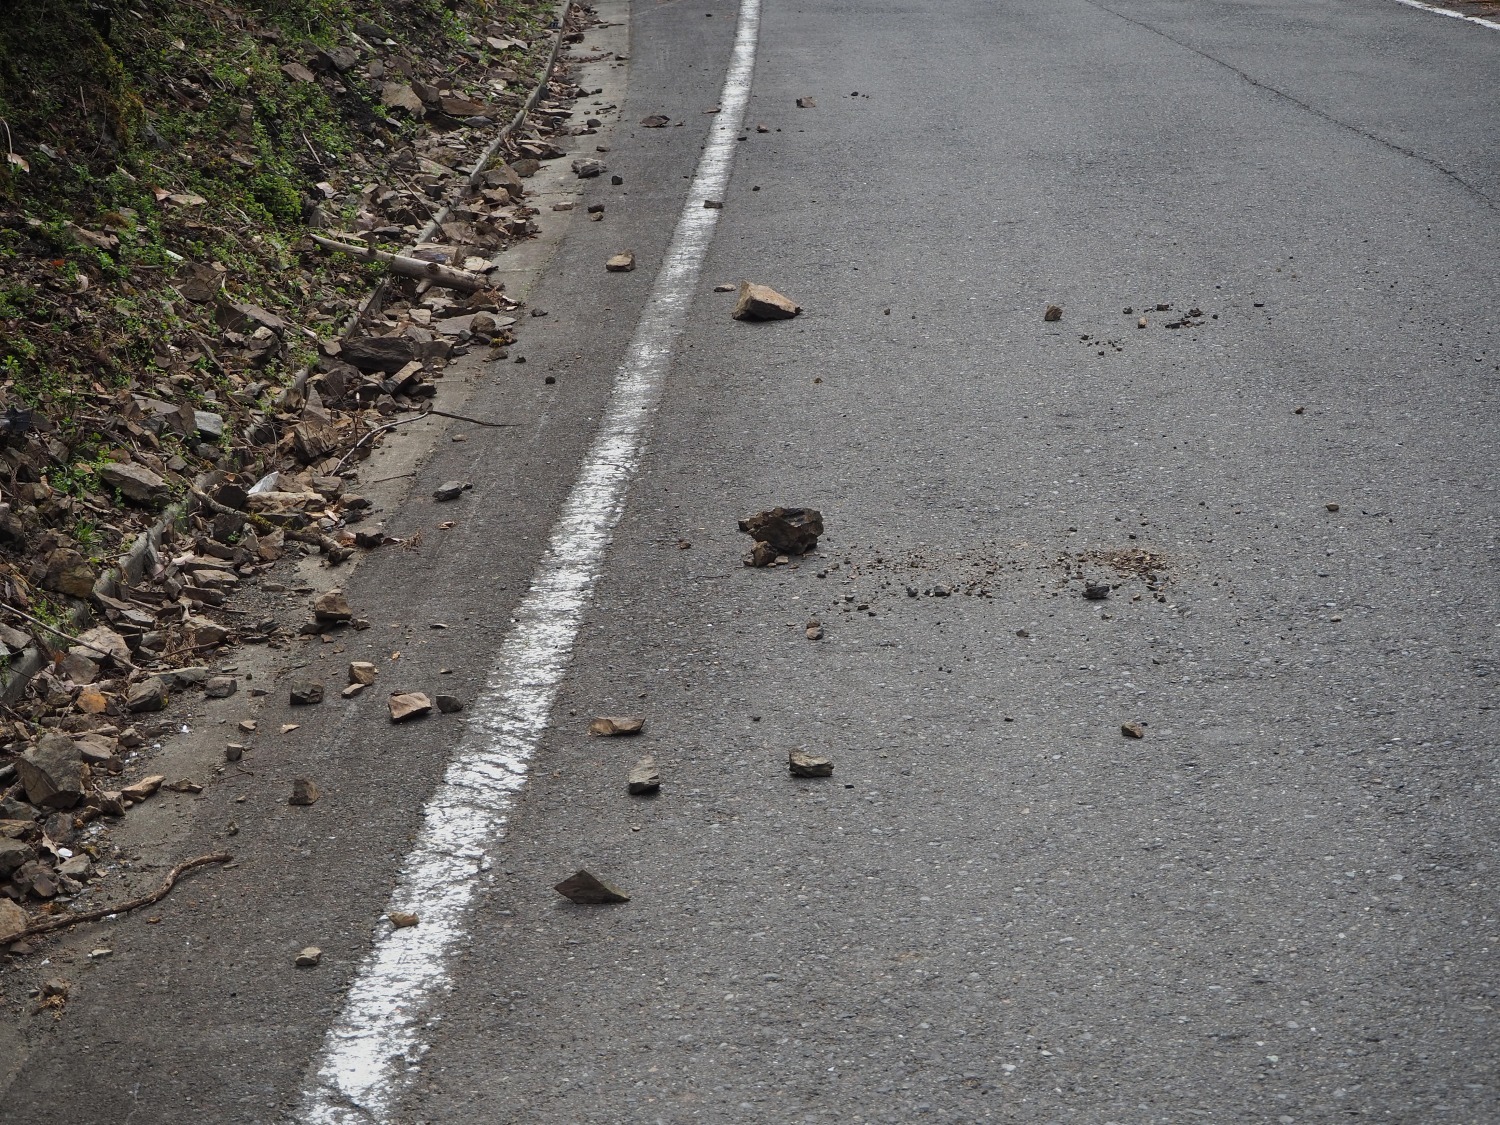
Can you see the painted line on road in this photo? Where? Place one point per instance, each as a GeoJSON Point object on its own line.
{"type": "Point", "coordinates": [372, 1052]}
{"type": "Point", "coordinates": [1450, 12]}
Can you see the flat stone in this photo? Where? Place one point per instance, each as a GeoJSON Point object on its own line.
{"type": "Point", "coordinates": [333, 606]}
{"type": "Point", "coordinates": [1132, 730]}
{"type": "Point", "coordinates": [304, 792]}
{"type": "Point", "coordinates": [13, 853]}
{"type": "Point", "coordinates": [149, 694]}
{"type": "Point", "coordinates": [449, 490]}
{"type": "Point", "coordinates": [135, 482]}
{"type": "Point", "coordinates": [607, 726]}
{"type": "Point", "coordinates": [145, 787]}
{"type": "Point", "coordinates": [621, 263]}
{"type": "Point", "coordinates": [379, 353]}
{"type": "Point", "coordinates": [644, 778]}
{"type": "Point", "coordinates": [785, 531]}
{"type": "Point", "coordinates": [309, 957]}
{"type": "Point", "coordinates": [91, 701]}
{"type": "Point", "coordinates": [761, 302]}
{"type": "Point", "coordinates": [305, 693]}
{"type": "Point", "coordinates": [409, 705]}
{"type": "Point", "coordinates": [803, 764]}
{"type": "Point", "coordinates": [588, 890]}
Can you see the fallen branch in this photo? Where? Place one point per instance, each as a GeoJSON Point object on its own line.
{"type": "Point", "coordinates": [355, 448]}
{"type": "Point", "coordinates": [331, 548]}
{"type": "Point", "coordinates": [400, 264]}
{"type": "Point", "coordinates": [51, 924]}
{"type": "Point", "coordinates": [56, 631]}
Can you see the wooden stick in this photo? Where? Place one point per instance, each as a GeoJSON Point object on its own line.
{"type": "Point", "coordinates": [51, 924]}
{"type": "Point", "coordinates": [446, 276]}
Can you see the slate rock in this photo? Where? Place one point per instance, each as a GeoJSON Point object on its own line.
{"type": "Point", "coordinates": [586, 889]}
{"type": "Point", "coordinates": [449, 490]}
{"type": "Point", "coordinates": [803, 764]}
{"type": "Point", "coordinates": [149, 694]}
{"type": "Point", "coordinates": [332, 606]}
{"type": "Point", "coordinates": [644, 778]}
{"type": "Point", "coordinates": [379, 353]}
{"type": "Point", "coordinates": [13, 921]}
{"type": "Point", "coordinates": [1132, 730]}
{"type": "Point", "coordinates": [69, 573]}
{"type": "Point", "coordinates": [134, 482]}
{"type": "Point", "coordinates": [52, 773]}
{"type": "Point", "coordinates": [220, 687]}
{"type": "Point", "coordinates": [306, 693]}
{"type": "Point", "coordinates": [761, 302]}
{"type": "Point", "coordinates": [13, 853]}
{"type": "Point", "coordinates": [407, 705]}
{"type": "Point", "coordinates": [587, 168]}
{"type": "Point", "coordinates": [608, 726]}
{"type": "Point", "coordinates": [786, 531]}
{"type": "Point", "coordinates": [620, 263]}
{"type": "Point", "coordinates": [1053, 313]}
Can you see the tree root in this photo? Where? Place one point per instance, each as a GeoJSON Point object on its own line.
{"type": "Point", "coordinates": [53, 924]}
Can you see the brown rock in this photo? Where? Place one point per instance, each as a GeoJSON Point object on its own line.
{"type": "Point", "coordinates": [803, 764]}
{"type": "Point", "coordinates": [1054, 312]}
{"type": "Point", "coordinates": [761, 302]}
{"type": "Point", "coordinates": [644, 778]}
{"type": "Point", "coordinates": [806, 103]}
{"type": "Point", "coordinates": [362, 672]}
{"type": "Point", "coordinates": [91, 701]}
{"type": "Point", "coordinates": [814, 630]}
{"type": "Point", "coordinates": [140, 790]}
{"type": "Point", "coordinates": [607, 726]}
{"type": "Point", "coordinates": [304, 792]}
{"type": "Point", "coordinates": [13, 921]}
{"type": "Point", "coordinates": [586, 889]}
{"type": "Point", "coordinates": [402, 919]}
{"type": "Point", "coordinates": [1132, 730]}
{"type": "Point", "coordinates": [134, 482]}
{"type": "Point", "coordinates": [786, 531]}
{"type": "Point", "coordinates": [69, 573]}
{"type": "Point", "coordinates": [621, 263]}
{"type": "Point", "coordinates": [333, 606]}
{"type": "Point", "coordinates": [409, 705]}
{"type": "Point", "coordinates": [309, 957]}
{"type": "Point", "coordinates": [398, 95]}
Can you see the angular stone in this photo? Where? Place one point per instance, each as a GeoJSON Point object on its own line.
{"type": "Point", "coordinates": [621, 263]}
{"type": "Point", "coordinates": [91, 701]}
{"type": "Point", "coordinates": [644, 778]}
{"type": "Point", "coordinates": [588, 890]}
{"type": "Point", "coordinates": [309, 957]}
{"type": "Point", "coordinates": [52, 773]}
{"type": "Point", "coordinates": [306, 693]}
{"type": "Point", "coordinates": [803, 764]}
{"type": "Point", "coordinates": [149, 694]}
{"type": "Point", "coordinates": [362, 672]}
{"type": "Point", "coordinates": [13, 921]}
{"type": "Point", "coordinates": [304, 792]}
{"type": "Point", "coordinates": [100, 642]}
{"type": "Point", "coordinates": [786, 531]}
{"type": "Point", "coordinates": [69, 573]}
{"type": "Point", "coordinates": [806, 103]}
{"type": "Point", "coordinates": [403, 919]}
{"type": "Point", "coordinates": [1053, 313]}
{"type": "Point", "coordinates": [352, 690]}
{"type": "Point", "coordinates": [1096, 591]}
{"type": "Point", "coordinates": [333, 606]}
{"type": "Point", "coordinates": [409, 705]}
{"type": "Point", "coordinates": [13, 853]}
{"type": "Point", "coordinates": [814, 631]}
{"type": "Point", "coordinates": [379, 353]}
{"type": "Point", "coordinates": [220, 687]}
{"type": "Point", "coordinates": [449, 704]}
{"type": "Point", "coordinates": [449, 490]}
{"type": "Point", "coordinates": [586, 168]}
{"type": "Point", "coordinates": [134, 482]}
{"type": "Point", "coordinates": [607, 726]}
{"type": "Point", "coordinates": [1132, 730]}
{"type": "Point", "coordinates": [145, 787]}
{"type": "Point", "coordinates": [761, 302]}
{"type": "Point", "coordinates": [656, 121]}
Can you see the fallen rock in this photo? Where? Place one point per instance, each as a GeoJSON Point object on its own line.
{"type": "Point", "coordinates": [621, 263]}
{"type": "Point", "coordinates": [134, 482]}
{"type": "Point", "coordinates": [1132, 730]}
{"type": "Point", "coordinates": [1054, 312]}
{"type": "Point", "coordinates": [379, 353]}
{"type": "Point", "coordinates": [304, 792]}
{"type": "Point", "coordinates": [1096, 591]}
{"type": "Point", "coordinates": [13, 921]}
{"type": "Point", "coordinates": [449, 490]}
{"type": "Point", "coordinates": [309, 957]}
{"type": "Point", "coordinates": [333, 606]}
{"type": "Point", "coordinates": [409, 705]}
{"type": "Point", "coordinates": [587, 168]}
{"type": "Point", "coordinates": [402, 919]}
{"type": "Point", "coordinates": [149, 694]}
{"type": "Point", "coordinates": [91, 701]}
{"type": "Point", "coordinates": [803, 764]}
{"type": "Point", "coordinates": [814, 630]}
{"type": "Point", "coordinates": [362, 672]}
{"type": "Point", "coordinates": [656, 121]}
{"type": "Point", "coordinates": [305, 693]}
{"type": "Point", "coordinates": [13, 853]}
{"type": "Point", "coordinates": [725, 287]}
{"type": "Point", "coordinates": [140, 790]}
{"type": "Point", "coordinates": [607, 726]}
{"type": "Point", "coordinates": [220, 687]}
{"type": "Point", "coordinates": [781, 531]}
{"type": "Point", "coordinates": [352, 690]}
{"type": "Point", "coordinates": [69, 573]}
{"type": "Point", "coordinates": [644, 778]}
{"type": "Point", "coordinates": [449, 704]}
{"type": "Point", "coordinates": [806, 103]}
{"type": "Point", "coordinates": [589, 891]}
{"type": "Point", "coordinates": [761, 302]}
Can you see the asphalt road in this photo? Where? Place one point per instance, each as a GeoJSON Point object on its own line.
{"type": "Point", "coordinates": [1278, 906]}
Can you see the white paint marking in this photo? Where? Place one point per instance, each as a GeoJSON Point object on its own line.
{"type": "Point", "coordinates": [1449, 12]}
{"type": "Point", "coordinates": [381, 1034]}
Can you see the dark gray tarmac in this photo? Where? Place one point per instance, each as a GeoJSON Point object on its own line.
{"type": "Point", "coordinates": [1278, 906]}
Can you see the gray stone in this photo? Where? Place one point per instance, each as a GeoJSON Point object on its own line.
{"type": "Point", "coordinates": [220, 687]}
{"type": "Point", "coordinates": [13, 853]}
{"type": "Point", "coordinates": [803, 764]}
{"type": "Point", "coordinates": [644, 778]}
{"type": "Point", "coordinates": [306, 694]}
{"type": "Point", "coordinates": [148, 695]}
{"type": "Point", "coordinates": [134, 482]}
{"type": "Point", "coordinates": [52, 773]}
{"type": "Point", "coordinates": [589, 890]}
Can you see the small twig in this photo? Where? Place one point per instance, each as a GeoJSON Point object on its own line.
{"type": "Point", "coordinates": [51, 924]}
{"type": "Point", "coordinates": [312, 150]}
{"type": "Point", "coordinates": [56, 631]}
{"type": "Point", "coordinates": [353, 449]}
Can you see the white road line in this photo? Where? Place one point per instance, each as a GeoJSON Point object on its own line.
{"type": "Point", "coordinates": [1449, 12]}
{"type": "Point", "coordinates": [369, 1055]}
